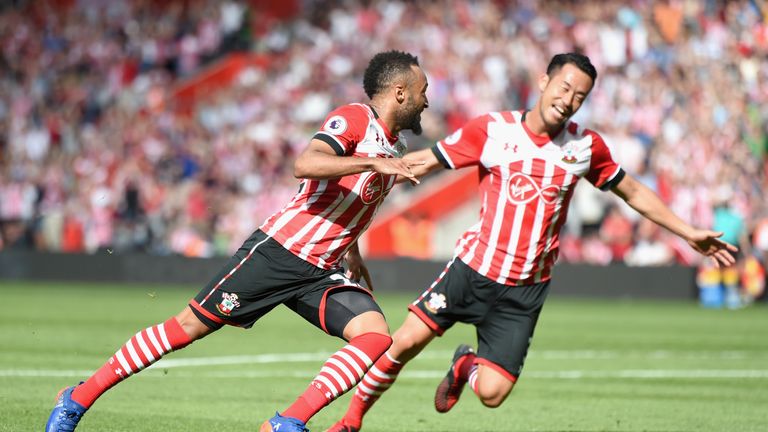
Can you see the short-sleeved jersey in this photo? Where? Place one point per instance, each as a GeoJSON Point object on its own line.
{"type": "Point", "coordinates": [526, 184]}
{"type": "Point", "coordinates": [325, 217]}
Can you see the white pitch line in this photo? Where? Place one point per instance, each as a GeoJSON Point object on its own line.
{"type": "Point", "coordinates": [443, 355]}
{"type": "Point", "coordinates": [656, 354]}
{"type": "Point", "coordinates": [655, 373]}
{"type": "Point", "coordinates": [426, 374]}
{"type": "Point", "coordinates": [36, 373]}
{"type": "Point", "coordinates": [243, 359]}
{"type": "Point", "coordinates": [438, 355]}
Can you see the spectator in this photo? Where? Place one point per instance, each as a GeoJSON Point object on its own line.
{"type": "Point", "coordinates": [85, 106]}
{"type": "Point", "coordinates": [649, 249]}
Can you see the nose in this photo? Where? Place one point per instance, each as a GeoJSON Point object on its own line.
{"type": "Point", "coordinates": [569, 97]}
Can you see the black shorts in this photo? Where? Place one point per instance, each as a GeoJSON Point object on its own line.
{"type": "Point", "coordinates": [263, 274]}
{"type": "Point", "coordinates": [504, 315]}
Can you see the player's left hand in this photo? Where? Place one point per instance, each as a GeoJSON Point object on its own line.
{"type": "Point", "coordinates": [709, 244]}
{"type": "Point", "coordinates": [356, 268]}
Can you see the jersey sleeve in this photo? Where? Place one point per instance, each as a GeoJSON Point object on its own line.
{"type": "Point", "coordinates": [344, 128]}
{"type": "Point", "coordinates": [604, 172]}
{"type": "Point", "coordinates": [465, 146]}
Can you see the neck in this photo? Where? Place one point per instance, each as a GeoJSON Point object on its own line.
{"type": "Point", "coordinates": [386, 115]}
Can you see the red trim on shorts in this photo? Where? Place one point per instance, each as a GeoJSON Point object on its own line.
{"type": "Point", "coordinates": [497, 368]}
{"type": "Point", "coordinates": [427, 320]}
{"type": "Point", "coordinates": [325, 296]}
{"type": "Point", "coordinates": [195, 305]}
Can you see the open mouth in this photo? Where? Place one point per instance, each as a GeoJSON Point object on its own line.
{"type": "Point", "coordinates": [560, 113]}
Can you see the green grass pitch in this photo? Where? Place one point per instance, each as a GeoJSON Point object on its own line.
{"type": "Point", "coordinates": [593, 366]}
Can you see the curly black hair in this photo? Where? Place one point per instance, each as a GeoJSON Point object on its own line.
{"type": "Point", "coordinates": [579, 60]}
{"type": "Point", "coordinates": [384, 68]}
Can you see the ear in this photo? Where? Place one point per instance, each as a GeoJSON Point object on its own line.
{"type": "Point", "coordinates": [400, 93]}
{"type": "Point", "coordinates": [543, 81]}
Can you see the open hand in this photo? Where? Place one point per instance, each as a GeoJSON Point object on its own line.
{"type": "Point", "coordinates": [709, 244]}
{"type": "Point", "coordinates": [402, 167]}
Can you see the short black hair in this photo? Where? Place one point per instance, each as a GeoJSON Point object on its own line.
{"type": "Point", "coordinates": [579, 60]}
{"type": "Point", "coordinates": [384, 68]}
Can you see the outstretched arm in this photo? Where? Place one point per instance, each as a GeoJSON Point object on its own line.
{"type": "Point", "coordinates": [421, 162]}
{"type": "Point", "coordinates": [320, 162]}
{"type": "Point", "coordinates": [648, 204]}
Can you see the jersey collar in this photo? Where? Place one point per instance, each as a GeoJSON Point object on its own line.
{"type": "Point", "coordinates": [539, 140]}
{"type": "Point", "coordinates": [392, 138]}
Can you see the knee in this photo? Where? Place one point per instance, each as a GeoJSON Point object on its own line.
{"type": "Point", "coordinates": [191, 324]}
{"type": "Point", "coordinates": [365, 323]}
{"type": "Point", "coordinates": [493, 396]}
{"type": "Point", "coordinates": [406, 341]}
{"type": "Point", "coordinates": [493, 402]}
{"type": "Point", "coordinates": [407, 345]}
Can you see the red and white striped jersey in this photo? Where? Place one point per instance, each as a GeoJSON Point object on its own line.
{"type": "Point", "coordinates": [526, 182]}
{"type": "Point", "coordinates": [325, 217]}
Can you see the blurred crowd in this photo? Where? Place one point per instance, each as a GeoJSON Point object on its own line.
{"type": "Point", "coordinates": [95, 156]}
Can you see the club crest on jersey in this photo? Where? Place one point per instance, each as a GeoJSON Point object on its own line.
{"type": "Point", "coordinates": [372, 189]}
{"type": "Point", "coordinates": [522, 189]}
{"type": "Point", "coordinates": [336, 125]}
{"type": "Point", "coordinates": [435, 302]}
{"type": "Point", "coordinates": [570, 155]}
{"type": "Point", "coordinates": [228, 303]}
{"type": "Point", "coordinates": [569, 158]}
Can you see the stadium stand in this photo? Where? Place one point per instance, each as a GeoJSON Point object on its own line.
{"type": "Point", "coordinates": [170, 127]}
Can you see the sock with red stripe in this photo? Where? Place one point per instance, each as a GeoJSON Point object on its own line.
{"type": "Point", "coordinates": [340, 373]}
{"type": "Point", "coordinates": [143, 349]}
{"type": "Point", "coordinates": [375, 382]}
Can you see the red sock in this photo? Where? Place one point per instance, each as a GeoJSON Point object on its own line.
{"type": "Point", "coordinates": [340, 373]}
{"type": "Point", "coordinates": [143, 349]}
{"type": "Point", "coordinates": [375, 382]}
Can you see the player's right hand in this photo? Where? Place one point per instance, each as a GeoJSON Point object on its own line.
{"type": "Point", "coordinates": [708, 243]}
{"type": "Point", "coordinates": [401, 167]}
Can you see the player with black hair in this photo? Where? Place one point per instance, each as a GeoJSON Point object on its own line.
{"type": "Point", "coordinates": [295, 257]}
{"type": "Point", "coordinates": [529, 163]}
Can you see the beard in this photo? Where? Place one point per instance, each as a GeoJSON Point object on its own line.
{"type": "Point", "coordinates": [415, 126]}
{"type": "Point", "coordinates": [412, 118]}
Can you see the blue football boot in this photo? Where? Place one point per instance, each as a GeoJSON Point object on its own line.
{"type": "Point", "coordinates": [279, 423]}
{"type": "Point", "coordinates": [66, 414]}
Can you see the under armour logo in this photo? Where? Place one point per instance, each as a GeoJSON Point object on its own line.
{"type": "Point", "coordinates": [119, 371]}
{"type": "Point", "coordinates": [276, 426]}
{"type": "Point", "coordinates": [514, 149]}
